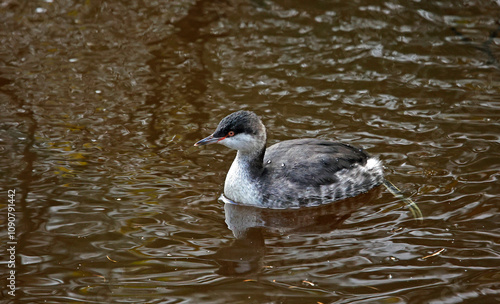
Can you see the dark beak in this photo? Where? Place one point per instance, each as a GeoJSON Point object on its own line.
{"type": "Point", "coordinates": [207, 141]}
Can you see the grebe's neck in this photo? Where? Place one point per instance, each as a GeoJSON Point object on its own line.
{"type": "Point", "coordinates": [242, 180]}
{"type": "Point", "coordinates": [251, 161]}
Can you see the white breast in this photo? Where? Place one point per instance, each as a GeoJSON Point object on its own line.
{"type": "Point", "coordinates": [239, 187]}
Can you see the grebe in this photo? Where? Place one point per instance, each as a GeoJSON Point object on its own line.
{"type": "Point", "coordinates": [292, 173]}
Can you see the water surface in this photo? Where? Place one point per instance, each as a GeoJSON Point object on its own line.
{"type": "Point", "coordinates": [101, 102]}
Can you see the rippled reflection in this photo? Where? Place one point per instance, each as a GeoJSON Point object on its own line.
{"type": "Point", "coordinates": [249, 225]}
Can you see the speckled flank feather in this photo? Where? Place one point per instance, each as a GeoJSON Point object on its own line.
{"type": "Point", "coordinates": [354, 181]}
{"type": "Point", "coordinates": [303, 172]}
{"type": "Point", "coordinates": [241, 188]}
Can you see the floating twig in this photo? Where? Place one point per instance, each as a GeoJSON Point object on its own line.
{"type": "Point", "coordinates": [432, 255]}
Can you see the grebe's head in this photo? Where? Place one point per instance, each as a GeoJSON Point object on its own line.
{"type": "Point", "coordinates": [242, 131]}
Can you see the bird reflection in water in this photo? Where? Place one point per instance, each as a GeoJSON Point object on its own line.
{"type": "Point", "coordinates": [251, 225]}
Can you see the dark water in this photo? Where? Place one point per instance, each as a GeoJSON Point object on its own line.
{"type": "Point", "coordinates": [101, 102]}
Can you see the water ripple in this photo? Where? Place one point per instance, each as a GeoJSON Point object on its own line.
{"type": "Point", "coordinates": [101, 105]}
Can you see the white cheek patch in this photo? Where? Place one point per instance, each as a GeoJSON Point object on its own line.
{"type": "Point", "coordinates": [242, 142]}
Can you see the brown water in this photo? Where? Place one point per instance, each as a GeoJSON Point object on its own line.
{"type": "Point", "coordinates": [101, 102]}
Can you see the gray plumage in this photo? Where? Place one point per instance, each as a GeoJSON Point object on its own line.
{"type": "Point", "coordinates": [293, 173]}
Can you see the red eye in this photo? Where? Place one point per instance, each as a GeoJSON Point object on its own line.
{"type": "Point", "coordinates": [231, 133]}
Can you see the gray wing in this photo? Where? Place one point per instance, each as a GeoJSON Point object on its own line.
{"type": "Point", "coordinates": [309, 162]}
